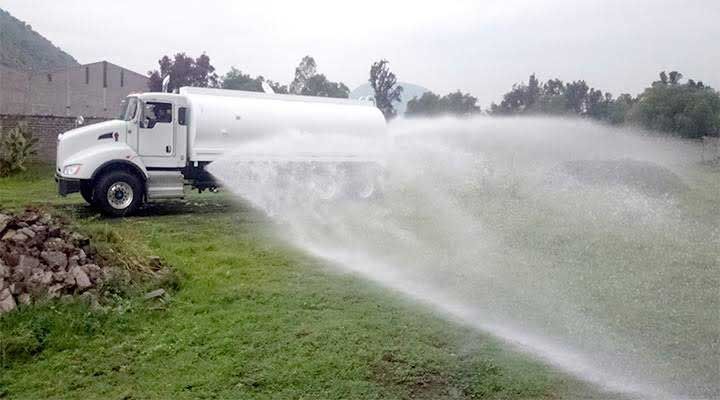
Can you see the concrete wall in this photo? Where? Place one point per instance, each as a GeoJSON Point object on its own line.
{"type": "Point", "coordinates": [91, 90]}
{"type": "Point", "coordinates": [45, 128]}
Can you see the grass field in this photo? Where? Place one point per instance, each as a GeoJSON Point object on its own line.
{"type": "Point", "coordinates": [250, 318]}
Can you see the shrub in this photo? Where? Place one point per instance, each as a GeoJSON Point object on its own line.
{"type": "Point", "coordinates": [16, 146]}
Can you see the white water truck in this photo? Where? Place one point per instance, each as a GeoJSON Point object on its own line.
{"type": "Point", "coordinates": [162, 142]}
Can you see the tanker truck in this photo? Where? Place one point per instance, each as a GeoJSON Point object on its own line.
{"type": "Point", "coordinates": [162, 143]}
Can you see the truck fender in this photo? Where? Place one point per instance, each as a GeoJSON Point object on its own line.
{"type": "Point", "coordinates": [99, 158]}
{"type": "Point", "coordinates": [138, 167]}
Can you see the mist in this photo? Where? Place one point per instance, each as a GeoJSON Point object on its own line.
{"type": "Point", "coordinates": [588, 247]}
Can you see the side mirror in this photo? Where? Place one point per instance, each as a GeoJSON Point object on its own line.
{"type": "Point", "coordinates": [79, 120]}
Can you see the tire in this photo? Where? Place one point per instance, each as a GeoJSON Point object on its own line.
{"type": "Point", "coordinates": [118, 193]}
{"type": "Point", "coordinates": [87, 192]}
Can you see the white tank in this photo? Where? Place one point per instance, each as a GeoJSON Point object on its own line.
{"type": "Point", "coordinates": [226, 120]}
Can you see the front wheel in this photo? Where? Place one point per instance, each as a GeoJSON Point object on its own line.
{"type": "Point", "coordinates": [87, 192]}
{"type": "Point", "coordinates": [118, 193]}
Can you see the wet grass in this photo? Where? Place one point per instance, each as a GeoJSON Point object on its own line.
{"type": "Point", "coordinates": [250, 318]}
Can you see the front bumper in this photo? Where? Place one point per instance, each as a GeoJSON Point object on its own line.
{"type": "Point", "coordinates": [67, 185]}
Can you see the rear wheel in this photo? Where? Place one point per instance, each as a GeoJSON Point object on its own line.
{"type": "Point", "coordinates": [118, 193]}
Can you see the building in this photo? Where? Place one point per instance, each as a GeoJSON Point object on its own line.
{"type": "Point", "coordinates": [90, 90]}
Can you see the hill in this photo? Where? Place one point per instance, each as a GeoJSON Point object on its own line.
{"type": "Point", "coordinates": [24, 49]}
{"type": "Point", "coordinates": [410, 90]}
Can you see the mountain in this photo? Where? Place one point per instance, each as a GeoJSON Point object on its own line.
{"type": "Point", "coordinates": [24, 49]}
{"type": "Point", "coordinates": [410, 90]}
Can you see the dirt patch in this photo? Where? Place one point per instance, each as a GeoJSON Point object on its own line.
{"type": "Point", "coordinates": [416, 381]}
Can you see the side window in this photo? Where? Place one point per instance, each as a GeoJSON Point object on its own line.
{"type": "Point", "coordinates": [156, 113]}
{"type": "Point", "coordinates": [182, 116]}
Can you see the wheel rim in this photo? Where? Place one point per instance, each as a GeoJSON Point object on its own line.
{"type": "Point", "coordinates": [366, 189]}
{"type": "Point", "coordinates": [120, 195]}
{"type": "Point", "coordinates": [325, 188]}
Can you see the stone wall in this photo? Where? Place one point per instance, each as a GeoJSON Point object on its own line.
{"type": "Point", "coordinates": [45, 128]}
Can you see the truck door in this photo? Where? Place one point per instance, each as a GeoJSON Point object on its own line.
{"type": "Point", "coordinates": [156, 135]}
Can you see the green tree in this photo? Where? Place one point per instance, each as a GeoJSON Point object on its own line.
{"type": "Point", "coordinates": [308, 82]}
{"type": "Point", "coordinates": [235, 79]}
{"type": "Point", "coordinates": [183, 71]}
{"type": "Point", "coordinates": [319, 85]}
{"type": "Point", "coordinates": [430, 104]}
{"type": "Point", "coordinates": [387, 91]}
{"type": "Point", "coordinates": [688, 110]}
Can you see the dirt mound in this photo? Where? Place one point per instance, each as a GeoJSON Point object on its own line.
{"type": "Point", "coordinates": [41, 258]}
{"type": "Point", "coordinates": [646, 177]}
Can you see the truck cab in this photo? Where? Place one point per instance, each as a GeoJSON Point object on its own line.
{"type": "Point", "coordinates": [118, 164]}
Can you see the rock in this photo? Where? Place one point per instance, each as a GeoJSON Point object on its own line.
{"type": "Point", "coordinates": [73, 261]}
{"type": "Point", "coordinates": [8, 235]}
{"type": "Point", "coordinates": [69, 279]}
{"type": "Point", "coordinates": [55, 290]}
{"type": "Point", "coordinates": [93, 271]}
{"type": "Point", "coordinates": [60, 276]}
{"type": "Point", "coordinates": [7, 301]}
{"type": "Point", "coordinates": [25, 266]}
{"type": "Point", "coordinates": [90, 297]}
{"type": "Point", "coordinates": [29, 217]}
{"type": "Point", "coordinates": [19, 238]}
{"type": "Point", "coordinates": [55, 259]}
{"type": "Point", "coordinates": [154, 294]}
{"type": "Point", "coordinates": [5, 220]}
{"type": "Point", "coordinates": [79, 240]}
{"type": "Point", "coordinates": [27, 232]}
{"type": "Point", "coordinates": [54, 244]}
{"type": "Point", "coordinates": [47, 278]}
{"type": "Point", "coordinates": [81, 278]}
{"type": "Point", "coordinates": [25, 299]}
{"type": "Point", "coordinates": [89, 250]}
{"type": "Point", "coordinates": [4, 270]}
{"type": "Point", "coordinates": [38, 228]}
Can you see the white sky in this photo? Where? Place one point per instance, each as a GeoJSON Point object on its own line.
{"type": "Point", "coordinates": [478, 46]}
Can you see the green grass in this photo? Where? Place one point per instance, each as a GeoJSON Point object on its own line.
{"type": "Point", "coordinates": [251, 318]}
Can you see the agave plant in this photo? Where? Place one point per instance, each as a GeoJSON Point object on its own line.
{"type": "Point", "coordinates": [17, 145]}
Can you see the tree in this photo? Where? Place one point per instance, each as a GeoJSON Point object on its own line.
{"type": "Point", "coordinates": [319, 85]}
{"type": "Point", "coordinates": [384, 84]}
{"type": "Point", "coordinates": [236, 80]}
{"type": "Point", "coordinates": [304, 71]}
{"type": "Point", "coordinates": [688, 110]}
{"type": "Point", "coordinates": [308, 82]}
{"type": "Point", "coordinates": [426, 105]}
{"type": "Point", "coordinates": [430, 104]}
{"type": "Point", "coordinates": [183, 71]}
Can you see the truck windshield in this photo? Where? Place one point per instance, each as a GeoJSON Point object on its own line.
{"type": "Point", "coordinates": [128, 108]}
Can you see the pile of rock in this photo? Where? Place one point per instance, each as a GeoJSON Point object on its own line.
{"type": "Point", "coordinates": [40, 258]}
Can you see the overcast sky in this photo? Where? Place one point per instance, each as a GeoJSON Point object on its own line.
{"type": "Point", "coordinates": [478, 46]}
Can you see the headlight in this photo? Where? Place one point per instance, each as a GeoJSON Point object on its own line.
{"type": "Point", "coordinates": [71, 169]}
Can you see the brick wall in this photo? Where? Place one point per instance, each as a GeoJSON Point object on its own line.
{"type": "Point", "coordinates": [45, 128]}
